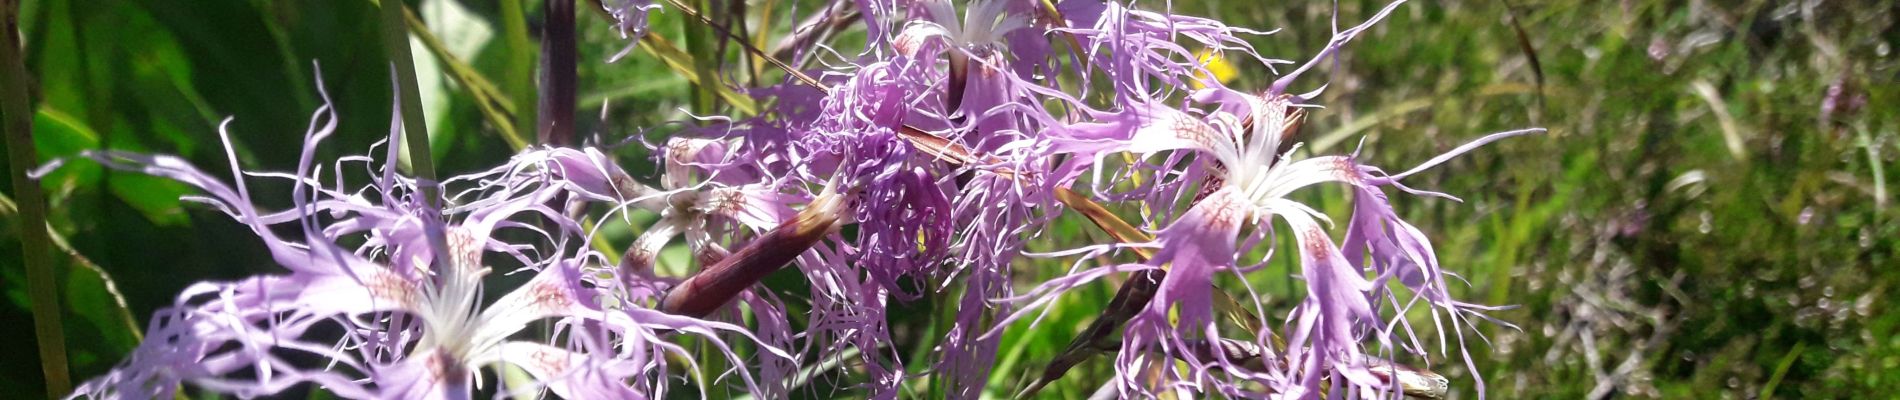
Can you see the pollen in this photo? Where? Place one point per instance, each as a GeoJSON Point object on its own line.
{"type": "Point", "coordinates": [725, 202]}
{"type": "Point", "coordinates": [681, 150]}
{"type": "Point", "coordinates": [637, 258]}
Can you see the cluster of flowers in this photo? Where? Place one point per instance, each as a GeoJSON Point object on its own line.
{"type": "Point", "coordinates": [927, 163]}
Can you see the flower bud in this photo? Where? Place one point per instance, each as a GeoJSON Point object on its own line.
{"type": "Point", "coordinates": [719, 283]}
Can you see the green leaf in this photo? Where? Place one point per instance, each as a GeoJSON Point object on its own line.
{"type": "Point", "coordinates": [58, 135]}
{"type": "Point", "coordinates": [88, 296]}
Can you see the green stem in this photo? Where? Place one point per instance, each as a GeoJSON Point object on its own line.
{"type": "Point", "coordinates": [414, 126]}
{"type": "Point", "coordinates": [1781, 369]}
{"type": "Point", "coordinates": [702, 45]}
{"type": "Point", "coordinates": [35, 247]}
{"type": "Point", "coordinates": [520, 75]}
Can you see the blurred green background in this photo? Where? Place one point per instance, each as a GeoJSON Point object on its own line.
{"type": "Point", "coordinates": [1709, 216]}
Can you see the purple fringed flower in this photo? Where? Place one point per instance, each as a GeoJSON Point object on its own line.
{"type": "Point", "coordinates": [916, 222]}
{"type": "Point", "coordinates": [630, 18]}
{"type": "Point", "coordinates": [1239, 176]}
{"type": "Point", "coordinates": [401, 316]}
{"type": "Point", "coordinates": [896, 200]}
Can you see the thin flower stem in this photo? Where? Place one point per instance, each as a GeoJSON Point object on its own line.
{"type": "Point", "coordinates": [35, 245]}
{"type": "Point", "coordinates": [556, 107]}
{"type": "Point", "coordinates": [518, 81]}
{"type": "Point", "coordinates": [414, 125]}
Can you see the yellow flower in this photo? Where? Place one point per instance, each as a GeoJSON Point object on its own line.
{"type": "Point", "coordinates": [1216, 64]}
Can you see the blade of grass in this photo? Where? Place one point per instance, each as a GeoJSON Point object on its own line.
{"type": "Point", "coordinates": [701, 46]}
{"type": "Point", "coordinates": [1781, 369]}
{"type": "Point", "coordinates": [1873, 162]}
{"type": "Point", "coordinates": [758, 36]}
{"type": "Point", "coordinates": [737, 25]}
{"type": "Point", "coordinates": [35, 248]}
{"type": "Point", "coordinates": [1530, 52]}
{"type": "Point", "coordinates": [1731, 130]}
{"type": "Point", "coordinates": [409, 98]}
{"type": "Point", "coordinates": [495, 106]}
{"type": "Point", "coordinates": [1343, 132]}
{"type": "Point", "coordinates": [519, 78]}
{"type": "Point", "coordinates": [754, 50]}
{"type": "Point", "coordinates": [1106, 220]}
{"type": "Point", "coordinates": [409, 109]}
{"type": "Point", "coordinates": [293, 73]}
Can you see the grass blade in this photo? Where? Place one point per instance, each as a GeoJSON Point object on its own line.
{"type": "Point", "coordinates": [414, 125]}
{"type": "Point", "coordinates": [519, 78]}
{"type": "Point", "coordinates": [495, 106]}
{"type": "Point", "coordinates": [35, 246]}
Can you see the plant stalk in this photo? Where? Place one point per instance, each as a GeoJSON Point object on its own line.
{"type": "Point", "coordinates": [415, 128]}
{"type": "Point", "coordinates": [35, 245]}
{"type": "Point", "coordinates": [414, 124]}
{"type": "Point", "coordinates": [556, 106]}
{"type": "Point", "coordinates": [519, 80]}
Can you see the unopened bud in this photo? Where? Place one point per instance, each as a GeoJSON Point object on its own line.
{"type": "Point", "coordinates": [959, 76]}
{"type": "Point", "coordinates": [719, 283]}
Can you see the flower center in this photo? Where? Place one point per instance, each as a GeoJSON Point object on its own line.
{"type": "Point", "coordinates": [452, 301]}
